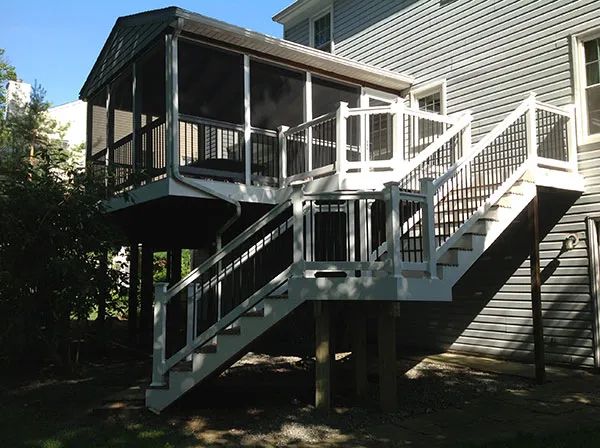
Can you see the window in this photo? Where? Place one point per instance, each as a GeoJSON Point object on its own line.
{"type": "Point", "coordinates": [321, 33]}
{"type": "Point", "coordinates": [592, 84]}
{"type": "Point", "coordinates": [431, 103]}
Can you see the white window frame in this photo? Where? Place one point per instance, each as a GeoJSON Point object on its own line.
{"type": "Point", "coordinates": [311, 26]}
{"type": "Point", "coordinates": [580, 81]}
{"type": "Point", "coordinates": [429, 89]}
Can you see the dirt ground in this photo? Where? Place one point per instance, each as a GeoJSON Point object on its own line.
{"type": "Point", "coordinates": [267, 401]}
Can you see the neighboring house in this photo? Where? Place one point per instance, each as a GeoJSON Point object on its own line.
{"type": "Point", "coordinates": [392, 154]}
{"type": "Point", "coordinates": [71, 115]}
{"type": "Point", "coordinates": [18, 93]}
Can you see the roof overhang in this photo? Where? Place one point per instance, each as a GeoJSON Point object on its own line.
{"type": "Point", "coordinates": [286, 51]}
{"type": "Point", "coordinates": [289, 14]}
{"type": "Point", "coordinates": [216, 31]}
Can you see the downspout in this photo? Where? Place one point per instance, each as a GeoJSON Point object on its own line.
{"type": "Point", "coordinates": [173, 87]}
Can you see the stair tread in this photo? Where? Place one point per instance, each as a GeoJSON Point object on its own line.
{"type": "Point", "coordinates": [234, 331]}
{"type": "Point", "coordinates": [255, 313]}
{"type": "Point", "coordinates": [207, 348]}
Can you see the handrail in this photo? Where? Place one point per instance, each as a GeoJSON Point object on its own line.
{"type": "Point", "coordinates": [552, 108]}
{"type": "Point", "coordinates": [431, 116]}
{"type": "Point", "coordinates": [233, 244]}
{"type": "Point", "coordinates": [211, 122]}
{"type": "Point", "coordinates": [227, 320]}
{"type": "Point", "coordinates": [310, 123]}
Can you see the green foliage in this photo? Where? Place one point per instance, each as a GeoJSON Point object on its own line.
{"type": "Point", "coordinates": [54, 239]}
{"type": "Point", "coordinates": [7, 73]}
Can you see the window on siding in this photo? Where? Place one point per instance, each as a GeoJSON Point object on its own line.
{"type": "Point", "coordinates": [592, 84]}
{"type": "Point", "coordinates": [431, 103]}
{"type": "Point", "coordinates": [322, 33]}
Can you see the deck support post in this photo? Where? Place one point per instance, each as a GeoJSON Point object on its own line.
{"type": "Point", "coordinates": [359, 352]}
{"type": "Point", "coordinates": [386, 340]}
{"type": "Point", "coordinates": [159, 336]}
{"type": "Point", "coordinates": [146, 293]}
{"type": "Point", "coordinates": [132, 299]}
{"type": "Point", "coordinates": [536, 292]}
{"type": "Point", "coordinates": [393, 228]}
{"type": "Point", "coordinates": [323, 355]}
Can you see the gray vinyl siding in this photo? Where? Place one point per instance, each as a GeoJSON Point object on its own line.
{"type": "Point", "coordinates": [298, 33]}
{"type": "Point", "coordinates": [492, 54]}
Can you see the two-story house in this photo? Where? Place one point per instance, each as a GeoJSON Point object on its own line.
{"type": "Point", "coordinates": [389, 160]}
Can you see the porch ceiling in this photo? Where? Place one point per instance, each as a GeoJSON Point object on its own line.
{"type": "Point", "coordinates": [131, 35]}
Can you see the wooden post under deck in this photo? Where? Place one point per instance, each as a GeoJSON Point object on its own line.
{"type": "Point", "coordinates": [132, 302]}
{"type": "Point", "coordinates": [386, 340]}
{"type": "Point", "coordinates": [536, 292]}
{"type": "Point", "coordinates": [323, 355]}
{"type": "Point", "coordinates": [359, 352]}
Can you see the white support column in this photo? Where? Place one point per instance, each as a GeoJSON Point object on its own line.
{"type": "Point", "coordinates": [351, 213]}
{"type": "Point", "coordinates": [160, 335]}
{"type": "Point", "coordinates": [428, 227]}
{"type": "Point", "coordinates": [392, 228]}
{"type": "Point", "coordinates": [281, 130]}
{"type": "Point", "coordinates": [190, 332]}
{"type": "Point", "coordinates": [247, 123]}
{"type": "Point", "coordinates": [397, 132]}
{"type": "Point", "coordinates": [341, 132]}
{"type": "Point", "coordinates": [297, 199]}
{"type": "Point", "coordinates": [308, 115]}
{"type": "Point", "coordinates": [572, 139]}
{"type": "Point", "coordinates": [532, 146]}
{"type": "Point", "coordinates": [364, 126]}
{"type": "Point", "coordinates": [172, 102]}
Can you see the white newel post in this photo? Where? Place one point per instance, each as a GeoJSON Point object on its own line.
{"type": "Point", "coordinates": [572, 139]}
{"type": "Point", "coordinates": [428, 226]}
{"type": "Point", "coordinates": [160, 335]}
{"type": "Point", "coordinates": [341, 120]}
{"type": "Point", "coordinates": [532, 146]}
{"type": "Point", "coordinates": [392, 228]}
{"type": "Point", "coordinates": [191, 317]}
{"type": "Point", "coordinates": [397, 132]}
{"type": "Point", "coordinates": [281, 130]}
{"type": "Point", "coordinates": [297, 199]}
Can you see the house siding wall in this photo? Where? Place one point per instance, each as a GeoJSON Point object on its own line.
{"type": "Point", "coordinates": [492, 54]}
{"type": "Point", "coordinates": [298, 33]}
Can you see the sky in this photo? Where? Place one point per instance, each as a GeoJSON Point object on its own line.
{"type": "Point", "coordinates": [56, 42]}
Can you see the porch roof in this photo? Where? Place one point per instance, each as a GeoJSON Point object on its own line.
{"type": "Point", "coordinates": [131, 35]}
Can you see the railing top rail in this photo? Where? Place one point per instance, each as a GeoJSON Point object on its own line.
{"type": "Point", "coordinates": [432, 116]}
{"type": "Point", "coordinates": [211, 122]}
{"type": "Point", "coordinates": [122, 141]}
{"type": "Point", "coordinates": [554, 109]}
{"type": "Point", "coordinates": [334, 196]}
{"type": "Point", "coordinates": [227, 249]}
{"type": "Point", "coordinates": [153, 124]}
{"type": "Point", "coordinates": [370, 110]}
{"type": "Point", "coordinates": [98, 155]}
{"type": "Point", "coordinates": [267, 132]}
{"type": "Point", "coordinates": [308, 124]}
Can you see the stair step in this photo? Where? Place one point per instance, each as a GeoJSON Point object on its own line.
{"type": "Point", "coordinates": [183, 366]}
{"type": "Point", "coordinates": [255, 313]}
{"type": "Point", "coordinates": [233, 331]}
{"type": "Point", "coordinates": [207, 348]}
{"type": "Point", "coordinates": [278, 297]}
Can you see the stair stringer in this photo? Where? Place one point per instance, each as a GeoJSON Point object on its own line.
{"type": "Point", "coordinates": [228, 348]}
{"type": "Point", "coordinates": [484, 231]}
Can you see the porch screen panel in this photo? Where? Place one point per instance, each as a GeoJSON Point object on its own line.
{"type": "Point", "coordinates": [121, 98]}
{"type": "Point", "coordinates": [98, 137]}
{"type": "Point", "coordinates": [276, 96]}
{"type": "Point", "coordinates": [211, 83]}
{"type": "Point", "coordinates": [327, 94]}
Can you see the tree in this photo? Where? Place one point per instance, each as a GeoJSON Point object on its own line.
{"type": "Point", "coordinates": [54, 240]}
{"type": "Point", "coordinates": [7, 73]}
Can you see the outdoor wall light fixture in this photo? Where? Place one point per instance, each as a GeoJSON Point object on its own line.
{"type": "Point", "coordinates": [570, 242]}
